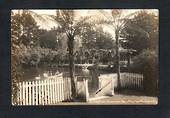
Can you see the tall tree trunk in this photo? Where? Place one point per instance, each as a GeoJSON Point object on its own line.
{"type": "Point", "coordinates": [71, 65]}
{"type": "Point", "coordinates": [117, 58]}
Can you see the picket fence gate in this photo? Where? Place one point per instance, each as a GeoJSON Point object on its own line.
{"type": "Point", "coordinates": [44, 92]}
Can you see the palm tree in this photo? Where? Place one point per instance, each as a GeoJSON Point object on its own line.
{"type": "Point", "coordinates": [117, 21]}
{"type": "Point", "coordinates": [72, 27]}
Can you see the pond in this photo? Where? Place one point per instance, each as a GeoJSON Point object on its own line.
{"type": "Point", "coordinates": [32, 72]}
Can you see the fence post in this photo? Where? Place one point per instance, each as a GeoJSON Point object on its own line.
{"type": "Point", "coordinates": [59, 83]}
{"type": "Point", "coordinates": [70, 89]}
{"type": "Point", "coordinates": [22, 98]}
{"type": "Point", "coordinates": [42, 87]}
{"type": "Point", "coordinates": [86, 89]}
{"type": "Point", "coordinates": [39, 93]}
{"type": "Point", "coordinates": [55, 90]}
{"type": "Point", "coordinates": [36, 93]}
{"type": "Point", "coordinates": [141, 82]}
{"type": "Point", "coordinates": [62, 90]}
{"type": "Point", "coordinates": [67, 89]}
{"type": "Point", "coordinates": [45, 92]}
{"type": "Point", "coordinates": [26, 95]}
{"type": "Point", "coordinates": [53, 83]}
{"type": "Point", "coordinates": [29, 93]}
{"type": "Point", "coordinates": [51, 91]}
{"type": "Point", "coordinates": [51, 94]}
{"type": "Point", "coordinates": [33, 93]}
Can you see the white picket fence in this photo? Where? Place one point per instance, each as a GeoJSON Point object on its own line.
{"type": "Point", "coordinates": [131, 81]}
{"type": "Point", "coordinates": [44, 92]}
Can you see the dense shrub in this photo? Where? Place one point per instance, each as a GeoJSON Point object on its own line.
{"type": "Point", "coordinates": [147, 63]}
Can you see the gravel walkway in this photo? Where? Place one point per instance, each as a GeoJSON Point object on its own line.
{"type": "Point", "coordinates": [124, 97]}
{"type": "Point", "coordinates": [126, 100]}
{"type": "Point", "coordinates": [117, 100]}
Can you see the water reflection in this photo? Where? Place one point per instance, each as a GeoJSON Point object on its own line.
{"type": "Point", "coordinates": [32, 73]}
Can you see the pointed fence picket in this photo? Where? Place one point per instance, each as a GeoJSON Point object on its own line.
{"type": "Point", "coordinates": [44, 92]}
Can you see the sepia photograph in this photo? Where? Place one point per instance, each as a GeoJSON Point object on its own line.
{"type": "Point", "coordinates": [84, 57]}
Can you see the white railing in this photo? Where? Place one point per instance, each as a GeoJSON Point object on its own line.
{"type": "Point", "coordinates": [44, 92]}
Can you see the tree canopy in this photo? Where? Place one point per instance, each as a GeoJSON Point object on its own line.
{"type": "Point", "coordinates": [142, 40]}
